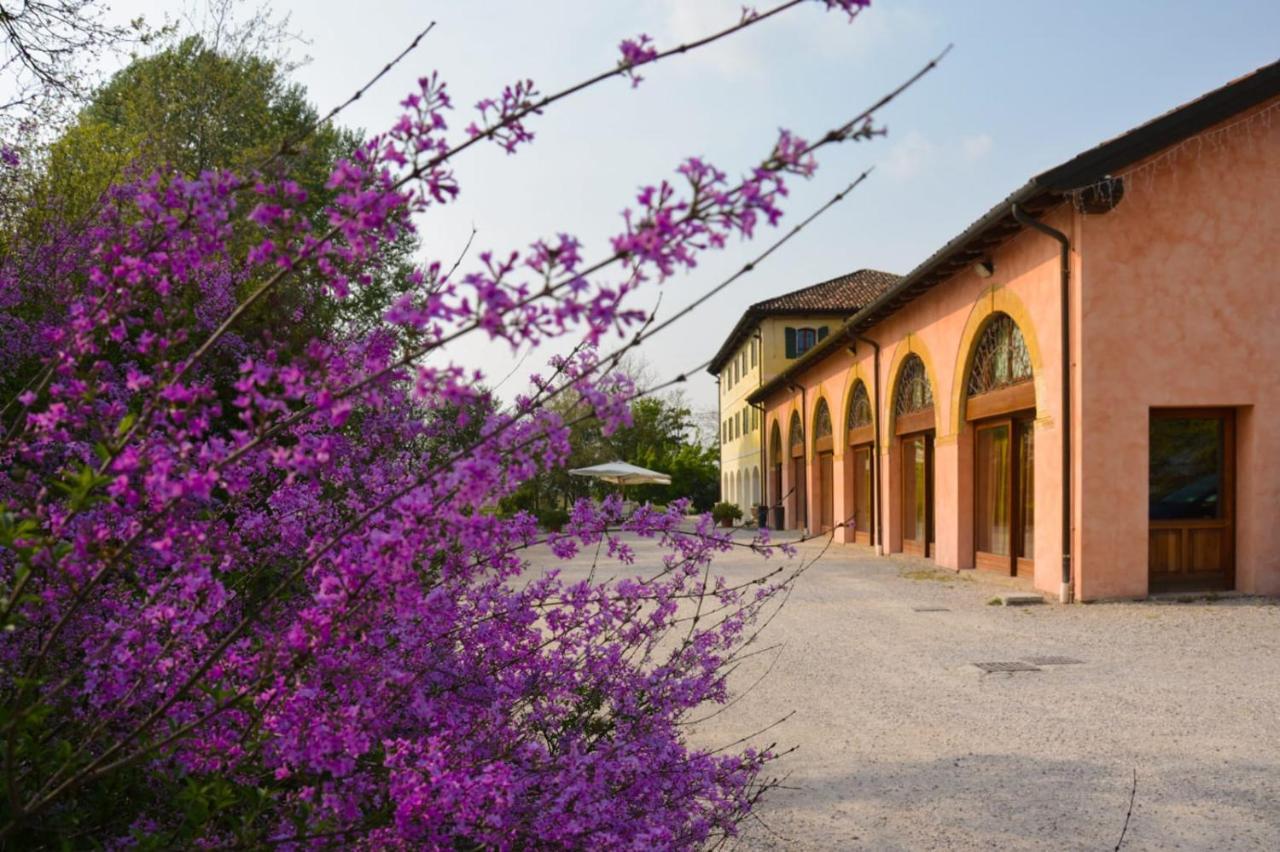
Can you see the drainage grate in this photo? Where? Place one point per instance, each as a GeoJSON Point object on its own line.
{"type": "Point", "coordinates": [1053, 661]}
{"type": "Point", "coordinates": [929, 609]}
{"type": "Point", "coordinates": [1007, 666]}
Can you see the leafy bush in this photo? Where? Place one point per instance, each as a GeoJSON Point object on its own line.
{"type": "Point", "coordinates": [247, 596]}
{"type": "Point", "coordinates": [726, 512]}
{"type": "Point", "coordinates": [552, 520]}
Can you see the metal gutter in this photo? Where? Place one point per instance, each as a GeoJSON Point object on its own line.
{"type": "Point", "coordinates": [1064, 283]}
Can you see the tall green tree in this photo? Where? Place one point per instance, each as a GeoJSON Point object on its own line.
{"type": "Point", "coordinates": [191, 107]}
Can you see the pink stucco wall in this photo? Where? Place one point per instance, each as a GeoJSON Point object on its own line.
{"type": "Point", "coordinates": [1173, 303]}
{"type": "Point", "coordinates": [1181, 303]}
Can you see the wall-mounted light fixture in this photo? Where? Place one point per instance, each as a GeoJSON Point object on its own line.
{"type": "Point", "coordinates": [985, 268]}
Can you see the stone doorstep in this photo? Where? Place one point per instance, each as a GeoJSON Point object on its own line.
{"type": "Point", "coordinates": [1020, 599]}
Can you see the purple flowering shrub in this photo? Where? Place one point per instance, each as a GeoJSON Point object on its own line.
{"type": "Point", "coordinates": [249, 592]}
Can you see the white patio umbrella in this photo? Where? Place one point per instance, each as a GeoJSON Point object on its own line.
{"type": "Point", "coordinates": [621, 473]}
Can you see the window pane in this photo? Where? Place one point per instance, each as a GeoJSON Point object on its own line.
{"type": "Point", "coordinates": [1027, 489]}
{"type": "Point", "coordinates": [991, 472]}
{"type": "Point", "coordinates": [914, 489]}
{"type": "Point", "coordinates": [1186, 468]}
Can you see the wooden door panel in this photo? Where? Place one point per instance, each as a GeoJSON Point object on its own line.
{"type": "Point", "coordinates": [801, 520]}
{"type": "Point", "coordinates": [1204, 550]}
{"type": "Point", "coordinates": [1164, 553]}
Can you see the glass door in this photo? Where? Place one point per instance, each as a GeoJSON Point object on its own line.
{"type": "Point", "coordinates": [1004, 495]}
{"type": "Point", "coordinates": [862, 494]}
{"type": "Point", "coordinates": [917, 494]}
{"type": "Point", "coordinates": [1191, 500]}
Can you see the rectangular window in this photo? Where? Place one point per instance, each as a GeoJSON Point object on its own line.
{"type": "Point", "coordinates": [754, 354]}
{"type": "Point", "coordinates": [1186, 468]}
{"type": "Point", "coordinates": [806, 339]}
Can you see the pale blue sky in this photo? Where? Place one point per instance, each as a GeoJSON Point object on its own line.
{"type": "Point", "coordinates": [1028, 85]}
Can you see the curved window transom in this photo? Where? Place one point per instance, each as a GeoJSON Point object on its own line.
{"type": "Point", "coordinates": [1001, 358]}
{"type": "Point", "coordinates": [822, 421]}
{"type": "Point", "coordinates": [796, 439]}
{"type": "Point", "coordinates": [914, 393]}
{"type": "Point", "coordinates": [859, 407]}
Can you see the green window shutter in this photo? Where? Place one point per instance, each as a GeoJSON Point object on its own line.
{"type": "Point", "coordinates": [791, 342]}
{"type": "Point", "coordinates": [822, 332]}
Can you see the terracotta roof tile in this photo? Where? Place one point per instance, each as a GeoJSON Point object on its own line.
{"type": "Point", "coordinates": [842, 295]}
{"type": "Point", "coordinates": [845, 293]}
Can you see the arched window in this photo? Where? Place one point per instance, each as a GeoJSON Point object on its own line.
{"type": "Point", "coordinates": [775, 443]}
{"type": "Point", "coordinates": [822, 421]}
{"type": "Point", "coordinates": [1000, 359]}
{"type": "Point", "coordinates": [755, 485]}
{"type": "Point", "coordinates": [861, 437]}
{"type": "Point", "coordinates": [796, 439]}
{"type": "Point", "coordinates": [914, 393]}
{"type": "Point", "coordinates": [859, 407]}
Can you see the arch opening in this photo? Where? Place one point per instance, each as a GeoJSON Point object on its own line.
{"type": "Point", "coordinates": [1000, 405]}
{"type": "Point", "coordinates": [914, 428]}
{"type": "Point", "coordinates": [798, 508]}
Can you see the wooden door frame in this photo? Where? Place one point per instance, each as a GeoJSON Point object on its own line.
{"type": "Point", "coordinates": [1011, 564]}
{"type": "Point", "coordinates": [826, 495]}
{"type": "Point", "coordinates": [1228, 418]}
{"type": "Point", "coordinates": [862, 536]}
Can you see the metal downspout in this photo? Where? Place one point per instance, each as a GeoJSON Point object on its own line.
{"type": "Point", "coordinates": [1065, 593]}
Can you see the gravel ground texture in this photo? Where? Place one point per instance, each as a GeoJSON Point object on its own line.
{"type": "Point", "coordinates": [903, 743]}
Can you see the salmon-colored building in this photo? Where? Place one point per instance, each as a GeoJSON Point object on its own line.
{"type": "Point", "coordinates": [1082, 388]}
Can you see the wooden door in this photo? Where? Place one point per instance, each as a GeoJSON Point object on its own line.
{"type": "Point", "coordinates": [800, 519]}
{"type": "Point", "coordinates": [862, 494]}
{"type": "Point", "coordinates": [826, 492]}
{"type": "Point", "coordinates": [1191, 500]}
{"type": "Point", "coordinates": [917, 493]}
{"type": "Point", "coordinates": [1004, 494]}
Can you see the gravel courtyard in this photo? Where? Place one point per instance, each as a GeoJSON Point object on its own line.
{"type": "Point", "coordinates": [904, 744]}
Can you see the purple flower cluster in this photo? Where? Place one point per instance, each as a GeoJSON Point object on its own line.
{"type": "Point", "coordinates": [252, 589]}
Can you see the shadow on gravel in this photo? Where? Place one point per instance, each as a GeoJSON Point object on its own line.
{"type": "Point", "coordinates": [1000, 801]}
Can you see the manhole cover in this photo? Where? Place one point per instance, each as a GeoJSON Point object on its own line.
{"type": "Point", "coordinates": [929, 609]}
{"type": "Point", "coordinates": [1054, 661]}
{"type": "Point", "coordinates": [1007, 666]}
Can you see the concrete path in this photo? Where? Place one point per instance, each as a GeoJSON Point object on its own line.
{"type": "Point", "coordinates": [904, 744]}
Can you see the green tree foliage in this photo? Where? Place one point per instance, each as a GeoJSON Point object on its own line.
{"type": "Point", "coordinates": [188, 108]}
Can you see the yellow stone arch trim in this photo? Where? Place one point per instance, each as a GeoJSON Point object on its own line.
{"type": "Point", "coordinates": [811, 431]}
{"type": "Point", "coordinates": [994, 300]}
{"type": "Point", "coordinates": [911, 345]}
{"type": "Point", "coordinates": [856, 374]}
{"type": "Point", "coordinates": [792, 411]}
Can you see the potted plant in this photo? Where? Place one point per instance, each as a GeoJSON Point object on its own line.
{"type": "Point", "coordinates": [725, 513]}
